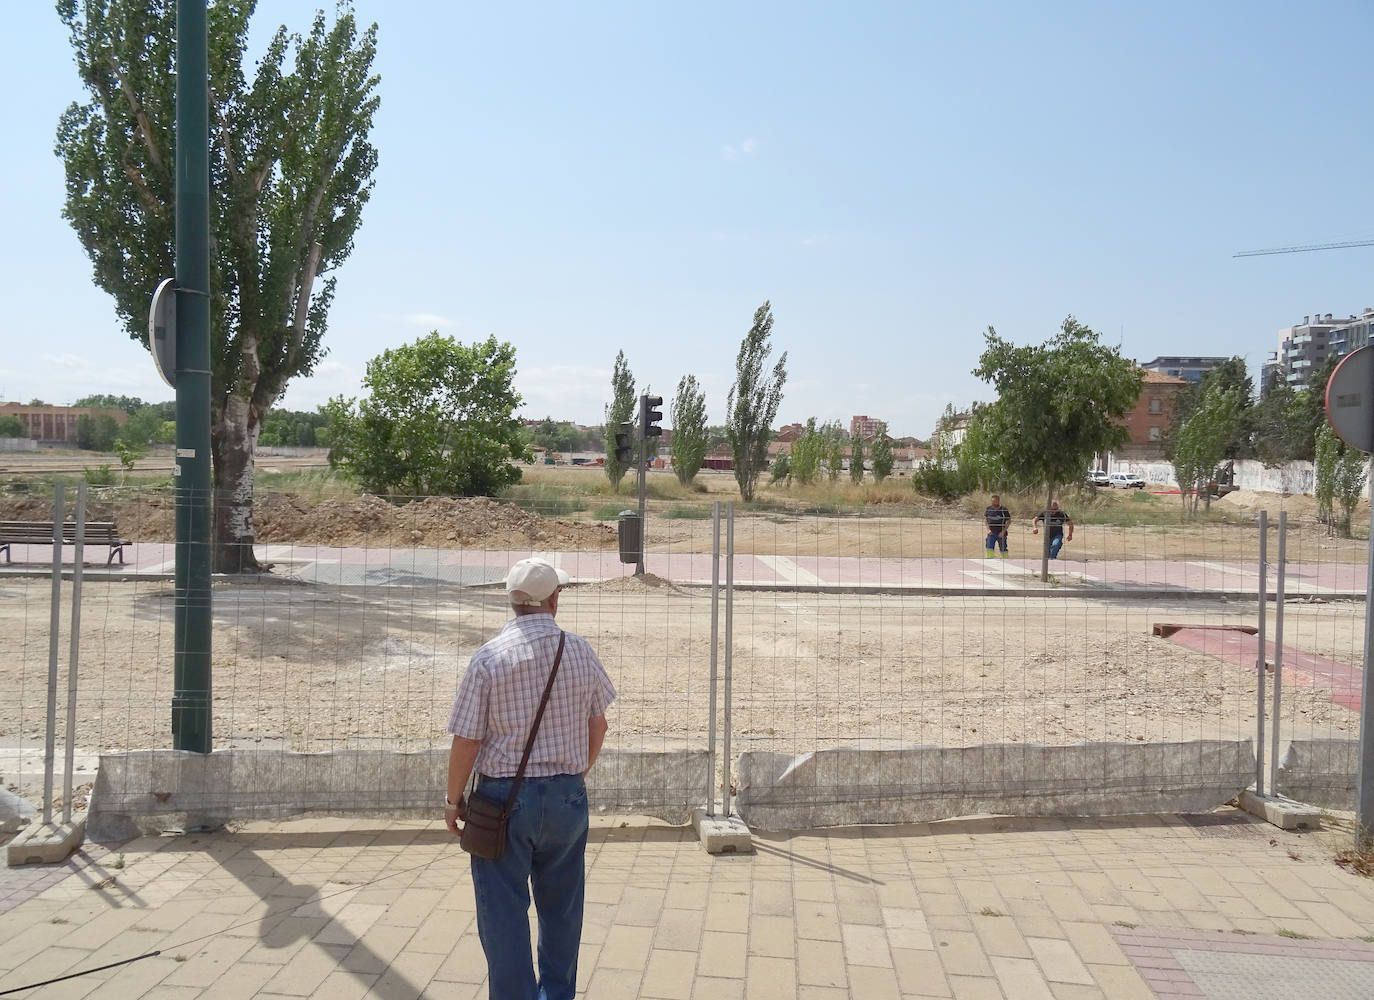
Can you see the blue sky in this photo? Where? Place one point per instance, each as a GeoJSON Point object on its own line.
{"type": "Point", "coordinates": [578, 179]}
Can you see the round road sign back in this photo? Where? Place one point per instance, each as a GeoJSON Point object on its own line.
{"type": "Point", "coordinates": [1350, 399]}
{"type": "Point", "coordinates": [162, 330]}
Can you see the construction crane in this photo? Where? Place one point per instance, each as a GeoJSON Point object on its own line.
{"type": "Point", "coordinates": [1305, 248]}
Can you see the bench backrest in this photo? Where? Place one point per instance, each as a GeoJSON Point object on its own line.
{"type": "Point", "coordinates": [37, 532]}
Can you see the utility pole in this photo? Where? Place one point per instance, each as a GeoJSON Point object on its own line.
{"type": "Point", "coordinates": [191, 656]}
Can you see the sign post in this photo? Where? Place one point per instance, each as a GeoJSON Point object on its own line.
{"type": "Point", "coordinates": [191, 699]}
{"type": "Point", "coordinates": [1350, 410]}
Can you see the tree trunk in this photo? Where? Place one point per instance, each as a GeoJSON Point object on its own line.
{"type": "Point", "coordinates": [235, 434]}
{"type": "Point", "coordinates": [1045, 542]}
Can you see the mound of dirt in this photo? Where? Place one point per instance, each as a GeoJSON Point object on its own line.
{"type": "Point", "coordinates": [646, 584]}
{"type": "Point", "coordinates": [435, 522]}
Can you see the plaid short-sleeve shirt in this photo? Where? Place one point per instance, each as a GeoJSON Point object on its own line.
{"type": "Point", "coordinates": [499, 696]}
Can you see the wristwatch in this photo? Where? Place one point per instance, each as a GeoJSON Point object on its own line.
{"type": "Point", "coordinates": [455, 806]}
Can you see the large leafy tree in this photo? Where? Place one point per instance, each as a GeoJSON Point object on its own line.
{"type": "Point", "coordinates": [1058, 405]}
{"type": "Point", "coordinates": [290, 171]}
{"type": "Point", "coordinates": [856, 458]}
{"type": "Point", "coordinates": [439, 420]}
{"type": "Point", "coordinates": [1274, 419]}
{"type": "Point", "coordinates": [621, 411]}
{"type": "Point", "coordinates": [1234, 375]}
{"type": "Point", "coordinates": [753, 401]}
{"type": "Point", "coordinates": [689, 443]}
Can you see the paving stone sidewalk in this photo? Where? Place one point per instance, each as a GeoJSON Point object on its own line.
{"type": "Point", "coordinates": [1219, 907]}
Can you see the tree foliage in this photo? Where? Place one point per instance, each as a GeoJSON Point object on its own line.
{"type": "Point", "coordinates": [96, 433]}
{"type": "Point", "coordinates": [11, 426]}
{"type": "Point", "coordinates": [106, 401]}
{"type": "Point", "coordinates": [1340, 475]}
{"type": "Point", "coordinates": [1274, 419]}
{"type": "Point", "coordinates": [782, 468]}
{"type": "Point", "coordinates": [290, 171]}
{"type": "Point", "coordinates": [1231, 374]}
{"type": "Point", "coordinates": [689, 442]}
{"type": "Point", "coordinates": [1202, 442]}
{"type": "Point", "coordinates": [753, 402]}
{"type": "Point", "coordinates": [439, 420]}
{"type": "Point", "coordinates": [832, 449]}
{"type": "Point", "coordinates": [807, 453]}
{"type": "Point", "coordinates": [1058, 405]}
{"type": "Point", "coordinates": [881, 457]}
{"type": "Point", "coordinates": [856, 459]}
{"type": "Point", "coordinates": [299, 428]}
{"type": "Point", "coordinates": [620, 411]}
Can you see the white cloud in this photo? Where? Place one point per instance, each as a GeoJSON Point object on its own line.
{"type": "Point", "coordinates": [745, 147]}
{"type": "Point", "coordinates": [430, 321]}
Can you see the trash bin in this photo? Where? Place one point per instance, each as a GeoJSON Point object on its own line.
{"type": "Point", "coordinates": [631, 536]}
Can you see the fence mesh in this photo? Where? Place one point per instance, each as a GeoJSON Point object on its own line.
{"type": "Point", "coordinates": [857, 638]}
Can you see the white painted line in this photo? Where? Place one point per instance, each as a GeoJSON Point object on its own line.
{"type": "Point", "coordinates": [790, 572]}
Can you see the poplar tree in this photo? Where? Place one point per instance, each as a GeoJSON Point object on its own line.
{"type": "Point", "coordinates": [290, 171]}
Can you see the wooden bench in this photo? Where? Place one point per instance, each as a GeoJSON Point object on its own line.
{"type": "Point", "coordinates": [40, 533]}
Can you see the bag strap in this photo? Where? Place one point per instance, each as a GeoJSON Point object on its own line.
{"type": "Point", "coordinates": [534, 729]}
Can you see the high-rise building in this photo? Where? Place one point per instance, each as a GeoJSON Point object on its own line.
{"type": "Point", "coordinates": [1304, 347]}
{"type": "Point", "coordinates": [863, 426]}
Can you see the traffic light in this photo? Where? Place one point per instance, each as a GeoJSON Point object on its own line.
{"type": "Point", "coordinates": [624, 444]}
{"type": "Point", "coordinates": [649, 417]}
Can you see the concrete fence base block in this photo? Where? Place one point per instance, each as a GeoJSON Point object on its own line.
{"type": "Point", "coordinates": [847, 786]}
{"type": "Point", "coordinates": [46, 844]}
{"type": "Point", "coordinates": [1322, 772]}
{"type": "Point", "coordinates": [1282, 813]}
{"type": "Point", "coordinates": [723, 834]}
{"type": "Point", "coordinates": [157, 791]}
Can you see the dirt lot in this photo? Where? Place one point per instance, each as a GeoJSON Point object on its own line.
{"type": "Point", "coordinates": [317, 668]}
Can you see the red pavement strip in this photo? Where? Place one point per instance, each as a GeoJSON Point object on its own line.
{"type": "Point", "coordinates": [1299, 667]}
{"type": "Point", "coordinates": [1154, 953]}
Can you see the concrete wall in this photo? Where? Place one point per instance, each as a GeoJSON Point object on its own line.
{"type": "Point", "coordinates": [1295, 477]}
{"type": "Point", "coordinates": [18, 444]}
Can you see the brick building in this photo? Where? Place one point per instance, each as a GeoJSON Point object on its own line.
{"type": "Point", "coordinates": [1149, 420]}
{"type": "Point", "coordinates": [56, 424]}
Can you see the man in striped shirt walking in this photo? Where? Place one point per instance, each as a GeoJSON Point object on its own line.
{"type": "Point", "coordinates": [546, 836]}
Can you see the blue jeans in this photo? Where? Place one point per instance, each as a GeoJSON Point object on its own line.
{"type": "Point", "coordinates": [1056, 543]}
{"type": "Point", "coordinates": [998, 539]}
{"type": "Point", "coordinates": [546, 843]}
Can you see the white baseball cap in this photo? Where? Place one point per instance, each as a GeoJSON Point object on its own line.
{"type": "Point", "coordinates": [531, 582]}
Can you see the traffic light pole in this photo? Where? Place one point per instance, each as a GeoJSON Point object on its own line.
{"type": "Point", "coordinates": [649, 416]}
{"type": "Point", "coordinates": [639, 564]}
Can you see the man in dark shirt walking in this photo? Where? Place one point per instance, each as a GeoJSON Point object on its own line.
{"type": "Point", "coordinates": [1055, 522]}
{"type": "Point", "coordinates": [998, 520]}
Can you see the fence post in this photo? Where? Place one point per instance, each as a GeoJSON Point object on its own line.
{"type": "Point", "coordinates": [1259, 664]}
{"type": "Point", "coordinates": [729, 641]}
{"type": "Point", "coordinates": [715, 636]}
{"type": "Point", "coordinates": [59, 513]}
{"type": "Point", "coordinates": [74, 652]}
{"type": "Point", "coordinates": [1274, 724]}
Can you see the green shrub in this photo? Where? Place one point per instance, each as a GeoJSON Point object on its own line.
{"type": "Point", "coordinates": [943, 482]}
{"type": "Point", "coordinates": [683, 512]}
{"type": "Point", "coordinates": [607, 511]}
{"type": "Point", "coordinates": [542, 498]}
{"type": "Point", "coordinates": [101, 475]}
